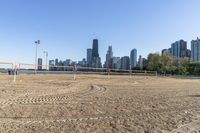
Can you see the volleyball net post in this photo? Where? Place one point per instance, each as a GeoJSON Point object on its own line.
{"type": "Point", "coordinates": [15, 73]}
{"type": "Point", "coordinates": [130, 73]}
{"type": "Point", "coordinates": [75, 69]}
{"type": "Point", "coordinates": [108, 73]}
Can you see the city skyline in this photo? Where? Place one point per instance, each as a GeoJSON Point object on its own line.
{"type": "Point", "coordinates": [178, 49]}
{"type": "Point", "coordinates": [66, 28]}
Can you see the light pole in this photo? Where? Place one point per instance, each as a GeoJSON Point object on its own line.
{"type": "Point", "coordinates": [46, 53]}
{"type": "Point", "coordinates": [36, 48]}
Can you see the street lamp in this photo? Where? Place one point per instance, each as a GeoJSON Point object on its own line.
{"type": "Point", "coordinates": [46, 53]}
{"type": "Point", "coordinates": [36, 44]}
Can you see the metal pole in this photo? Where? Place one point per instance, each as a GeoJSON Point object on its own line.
{"type": "Point", "coordinates": [15, 73]}
{"type": "Point", "coordinates": [35, 57]}
{"type": "Point", "coordinates": [47, 61]}
{"type": "Point", "coordinates": [130, 71]}
{"type": "Point", "coordinates": [36, 49]}
{"type": "Point", "coordinates": [108, 73]}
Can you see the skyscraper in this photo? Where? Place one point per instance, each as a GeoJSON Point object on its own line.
{"type": "Point", "coordinates": [188, 53]}
{"type": "Point", "coordinates": [115, 61]}
{"type": "Point", "coordinates": [140, 62]}
{"type": "Point", "coordinates": [125, 62]}
{"type": "Point", "coordinates": [109, 55]}
{"type": "Point", "coordinates": [96, 60]}
{"type": "Point", "coordinates": [133, 58]}
{"type": "Point", "coordinates": [39, 63]}
{"type": "Point", "coordinates": [56, 62]}
{"type": "Point", "coordinates": [179, 49]}
{"type": "Point", "coordinates": [165, 52]}
{"type": "Point", "coordinates": [89, 57]}
{"type": "Point", "coordinates": [119, 64]}
{"type": "Point", "coordinates": [195, 50]}
{"type": "Point", "coordinates": [51, 64]}
{"type": "Point", "coordinates": [95, 52]}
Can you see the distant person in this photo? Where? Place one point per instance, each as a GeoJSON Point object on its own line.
{"type": "Point", "coordinates": [9, 72]}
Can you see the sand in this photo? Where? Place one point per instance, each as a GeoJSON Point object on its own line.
{"type": "Point", "coordinates": [91, 103]}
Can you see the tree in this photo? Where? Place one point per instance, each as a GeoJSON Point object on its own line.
{"type": "Point", "coordinates": [193, 68]}
{"type": "Point", "coordinates": [166, 63]}
{"type": "Point", "coordinates": [180, 65]}
{"type": "Point", "coordinates": [154, 63]}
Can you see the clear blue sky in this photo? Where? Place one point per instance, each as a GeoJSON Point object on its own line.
{"type": "Point", "coordinates": [66, 27]}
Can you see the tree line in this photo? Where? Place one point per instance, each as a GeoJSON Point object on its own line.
{"type": "Point", "coordinates": [166, 64]}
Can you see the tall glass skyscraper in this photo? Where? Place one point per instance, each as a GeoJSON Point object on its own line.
{"type": "Point", "coordinates": [89, 56]}
{"type": "Point", "coordinates": [133, 58]}
{"type": "Point", "coordinates": [39, 63]}
{"type": "Point", "coordinates": [179, 49]}
{"type": "Point", "coordinates": [95, 52]}
{"type": "Point", "coordinates": [195, 49]}
{"type": "Point", "coordinates": [125, 62]}
{"type": "Point", "coordinates": [96, 60]}
{"type": "Point", "coordinates": [109, 56]}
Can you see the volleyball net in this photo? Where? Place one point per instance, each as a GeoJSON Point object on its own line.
{"type": "Point", "coordinates": [28, 69]}
{"type": "Point", "coordinates": [5, 67]}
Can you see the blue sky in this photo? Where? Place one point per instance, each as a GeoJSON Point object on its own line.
{"type": "Point", "coordinates": [66, 27]}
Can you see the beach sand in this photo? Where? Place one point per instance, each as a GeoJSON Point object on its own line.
{"type": "Point", "coordinates": [92, 103]}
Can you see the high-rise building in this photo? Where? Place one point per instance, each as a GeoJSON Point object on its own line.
{"type": "Point", "coordinates": [95, 52]}
{"type": "Point", "coordinates": [109, 55]}
{"type": "Point", "coordinates": [165, 52]}
{"type": "Point", "coordinates": [140, 62]}
{"type": "Point", "coordinates": [125, 62]}
{"type": "Point", "coordinates": [170, 50]}
{"type": "Point", "coordinates": [56, 62]}
{"type": "Point", "coordinates": [51, 63]}
{"type": "Point", "coordinates": [68, 62]}
{"type": "Point", "coordinates": [114, 62]}
{"type": "Point", "coordinates": [179, 49]}
{"type": "Point", "coordinates": [89, 57]}
{"type": "Point", "coordinates": [119, 64]}
{"type": "Point", "coordinates": [96, 60]}
{"type": "Point", "coordinates": [195, 50]}
{"type": "Point", "coordinates": [39, 63]}
{"type": "Point", "coordinates": [82, 63]}
{"type": "Point", "coordinates": [60, 63]}
{"type": "Point", "coordinates": [188, 53]}
{"type": "Point", "coordinates": [133, 58]}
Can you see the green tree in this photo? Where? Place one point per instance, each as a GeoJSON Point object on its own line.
{"type": "Point", "coordinates": [193, 68]}
{"type": "Point", "coordinates": [180, 65]}
{"type": "Point", "coordinates": [154, 63]}
{"type": "Point", "coordinates": [166, 63]}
